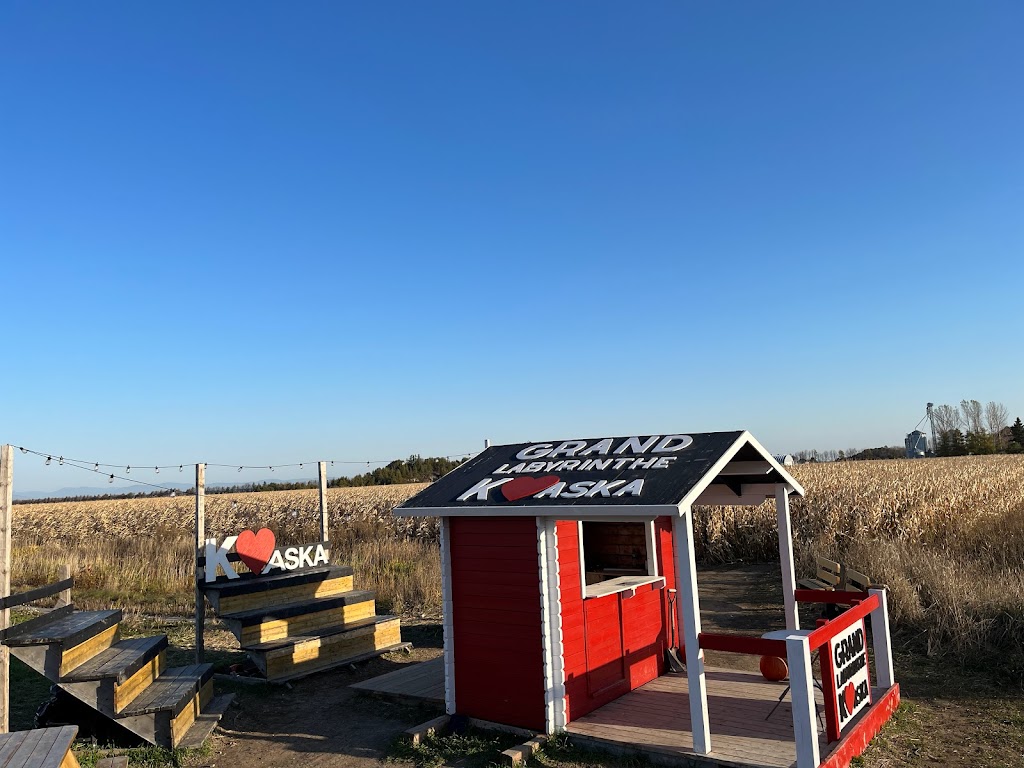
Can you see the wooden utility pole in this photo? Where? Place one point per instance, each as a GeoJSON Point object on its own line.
{"type": "Point", "coordinates": [324, 528]}
{"type": "Point", "coordinates": [200, 551]}
{"type": "Point", "coordinates": [6, 504]}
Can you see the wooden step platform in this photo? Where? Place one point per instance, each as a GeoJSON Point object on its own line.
{"type": "Point", "coordinates": [56, 647]}
{"type": "Point", "coordinates": [271, 623]}
{"type": "Point", "coordinates": [414, 682]}
{"type": "Point", "coordinates": [298, 655]}
{"type": "Point", "coordinates": [113, 678]}
{"type": "Point", "coordinates": [41, 748]}
{"type": "Point", "coordinates": [176, 698]}
{"type": "Point", "coordinates": [290, 587]}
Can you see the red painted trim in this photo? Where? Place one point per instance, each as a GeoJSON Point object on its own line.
{"type": "Point", "coordinates": [829, 692]}
{"type": "Point", "coordinates": [860, 735]}
{"type": "Point", "coordinates": [829, 596]}
{"type": "Point", "coordinates": [845, 620]}
{"type": "Point", "coordinates": [756, 646]}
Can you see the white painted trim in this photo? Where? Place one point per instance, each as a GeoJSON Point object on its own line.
{"type": "Point", "coordinates": [805, 720]}
{"type": "Point", "coordinates": [723, 497]}
{"type": "Point", "coordinates": [785, 527]}
{"type": "Point", "coordinates": [583, 564]}
{"type": "Point", "coordinates": [652, 550]}
{"type": "Point", "coordinates": [551, 625]}
{"type": "Point", "coordinates": [689, 620]}
{"type": "Point", "coordinates": [745, 438]}
{"type": "Point", "coordinates": [447, 625]}
{"type": "Point", "coordinates": [790, 480]}
{"type": "Point", "coordinates": [746, 468]}
{"type": "Point", "coordinates": [881, 641]}
{"type": "Point", "coordinates": [567, 512]}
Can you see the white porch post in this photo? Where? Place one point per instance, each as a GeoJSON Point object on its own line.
{"type": "Point", "coordinates": [881, 641]}
{"type": "Point", "coordinates": [689, 620]}
{"type": "Point", "coordinates": [786, 557]}
{"type": "Point", "coordinates": [805, 720]}
{"type": "Point", "coordinates": [447, 626]}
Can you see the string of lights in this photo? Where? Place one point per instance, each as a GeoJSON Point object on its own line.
{"type": "Point", "coordinates": [101, 467]}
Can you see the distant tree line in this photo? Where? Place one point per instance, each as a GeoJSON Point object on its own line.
{"type": "Point", "coordinates": [973, 429]}
{"type": "Point", "coordinates": [849, 454]}
{"type": "Point", "coordinates": [415, 469]}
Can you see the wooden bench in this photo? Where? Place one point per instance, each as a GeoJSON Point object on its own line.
{"type": "Point", "coordinates": [41, 748]}
{"type": "Point", "coordinates": [828, 576]}
{"type": "Point", "coordinates": [855, 581]}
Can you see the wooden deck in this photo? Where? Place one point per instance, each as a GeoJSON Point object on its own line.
{"type": "Point", "coordinates": [41, 748]}
{"type": "Point", "coordinates": [655, 720]}
{"type": "Point", "coordinates": [417, 682]}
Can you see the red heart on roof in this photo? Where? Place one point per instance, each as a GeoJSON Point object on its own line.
{"type": "Point", "coordinates": [522, 487]}
{"type": "Point", "coordinates": [256, 549]}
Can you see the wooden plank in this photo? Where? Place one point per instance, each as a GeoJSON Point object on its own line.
{"type": "Point", "coordinates": [138, 682]}
{"type": "Point", "coordinates": [200, 542]}
{"type": "Point", "coordinates": [40, 747]}
{"type": "Point", "coordinates": [6, 506]}
{"type": "Point", "coordinates": [271, 630]}
{"type": "Point", "coordinates": [82, 652]}
{"type": "Point", "coordinates": [9, 744]}
{"type": "Point", "coordinates": [61, 746]}
{"type": "Point", "coordinates": [230, 604]}
{"type": "Point", "coordinates": [36, 594]}
{"type": "Point", "coordinates": [34, 624]}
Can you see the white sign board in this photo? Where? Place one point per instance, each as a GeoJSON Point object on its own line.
{"type": "Point", "coordinates": [849, 652]}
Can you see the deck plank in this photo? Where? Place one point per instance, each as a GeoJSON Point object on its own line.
{"type": "Point", "coordinates": [656, 718]}
{"type": "Point", "coordinates": [423, 681]}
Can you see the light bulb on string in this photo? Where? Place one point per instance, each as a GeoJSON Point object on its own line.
{"type": "Point", "coordinates": [62, 461]}
{"type": "Point", "coordinates": [157, 469]}
{"type": "Point", "coordinates": [111, 479]}
{"type": "Point", "coordinates": [173, 494]}
{"type": "Point", "coordinates": [180, 466]}
{"type": "Point", "coordinates": [48, 461]}
{"type": "Point", "coordinates": [128, 470]}
{"type": "Point", "coordinates": [239, 469]}
{"type": "Point", "coordinates": [23, 450]}
{"type": "Point", "coordinates": [96, 467]}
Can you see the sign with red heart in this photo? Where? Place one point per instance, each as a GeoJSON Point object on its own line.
{"type": "Point", "coordinates": [849, 657]}
{"type": "Point", "coordinates": [256, 549]}
{"type": "Point", "coordinates": [522, 487]}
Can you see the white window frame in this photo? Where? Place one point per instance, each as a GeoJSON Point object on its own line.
{"type": "Point", "coordinates": [624, 585]}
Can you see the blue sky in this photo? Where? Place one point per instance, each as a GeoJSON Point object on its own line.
{"type": "Point", "coordinates": [266, 232]}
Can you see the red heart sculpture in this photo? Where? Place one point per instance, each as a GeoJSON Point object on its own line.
{"type": "Point", "coordinates": [848, 695]}
{"type": "Point", "coordinates": [522, 487]}
{"type": "Point", "coordinates": [256, 549]}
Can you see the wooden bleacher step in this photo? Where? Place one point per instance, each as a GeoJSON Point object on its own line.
{"type": "Point", "coordinates": [56, 647]}
{"type": "Point", "coordinates": [294, 656]}
{"type": "Point", "coordinates": [288, 587]}
{"type": "Point", "coordinates": [175, 700]}
{"type": "Point", "coordinates": [261, 625]}
{"type": "Point", "coordinates": [119, 673]}
{"type": "Point", "coordinates": [41, 748]}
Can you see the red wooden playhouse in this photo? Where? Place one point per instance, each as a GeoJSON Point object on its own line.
{"type": "Point", "coordinates": [559, 562]}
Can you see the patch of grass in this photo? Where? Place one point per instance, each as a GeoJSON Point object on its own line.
{"type": "Point", "coordinates": [472, 747]}
{"type": "Point", "coordinates": [559, 752]}
{"type": "Point", "coordinates": [142, 757]}
{"type": "Point", "coordinates": [29, 690]}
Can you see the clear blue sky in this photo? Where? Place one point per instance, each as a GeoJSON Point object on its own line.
{"type": "Point", "coordinates": [264, 232]}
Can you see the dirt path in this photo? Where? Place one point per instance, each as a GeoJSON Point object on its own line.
{"type": "Point", "coordinates": [319, 721]}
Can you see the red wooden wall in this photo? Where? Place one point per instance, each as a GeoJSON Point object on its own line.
{"type": "Point", "coordinates": [611, 644]}
{"type": "Point", "coordinates": [496, 620]}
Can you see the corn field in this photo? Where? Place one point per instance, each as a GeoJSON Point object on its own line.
{"type": "Point", "coordinates": [945, 535]}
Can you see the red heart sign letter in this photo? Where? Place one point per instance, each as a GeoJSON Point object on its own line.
{"type": "Point", "coordinates": [522, 487]}
{"type": "Point", "coordinates": [848, 694]}
{"type": "Point", "coordinates": [255, 549]}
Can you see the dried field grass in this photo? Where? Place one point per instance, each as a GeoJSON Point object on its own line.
{"type": "Point", "coordinates": [945, 535]}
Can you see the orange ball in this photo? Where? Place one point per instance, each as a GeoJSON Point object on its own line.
{"type": "Point", "coordinates": [773, 668]}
